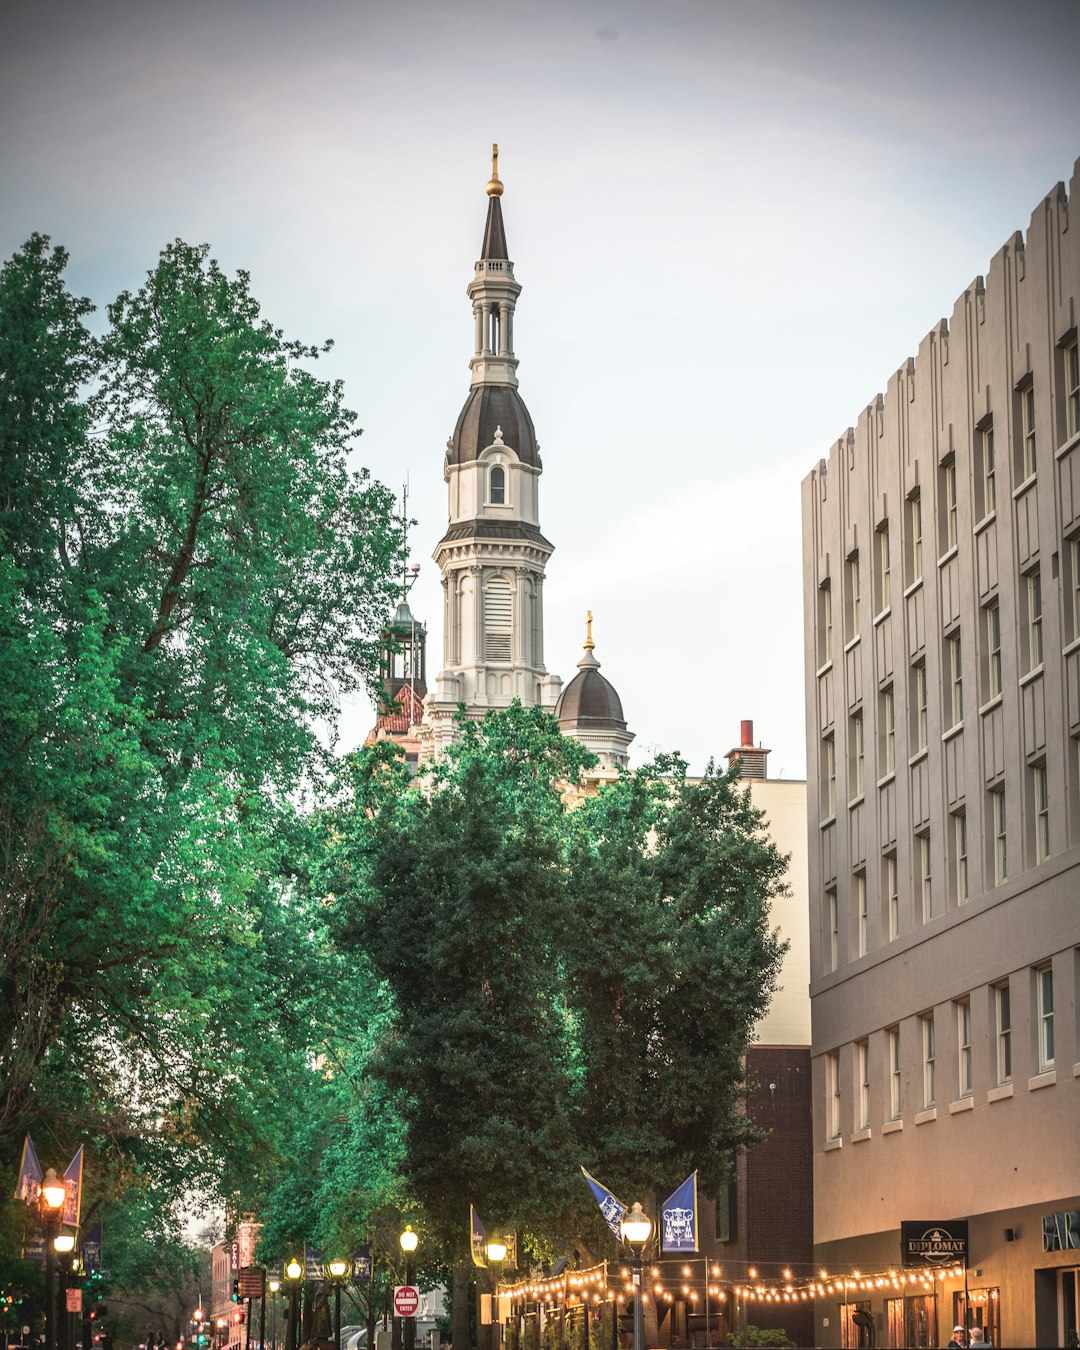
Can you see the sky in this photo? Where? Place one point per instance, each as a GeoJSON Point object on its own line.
{"type": "Point", "coordinates": [732, 221]}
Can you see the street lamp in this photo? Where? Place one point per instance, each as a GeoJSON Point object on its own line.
{"type": "Point", "coordinates": [337, 1276]}
{"type": "Point", "coordinates": [294, 1273]}
{"type": "Point", "coordinates": [53, 1194]}
{"type": "Point", "coordinates": [636, 1230]}
{"type": "Point", "coordinates": [496, 1255]}
{"type": "Point", "coordinates": [275, 1285]}
{"type": "Point", "coordinates": [63, 1245]}
{"type": "Point", "coordinates": [409, 1241]}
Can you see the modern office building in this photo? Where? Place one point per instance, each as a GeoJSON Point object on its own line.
{"type": "Point", "coordinates": [942, 605]}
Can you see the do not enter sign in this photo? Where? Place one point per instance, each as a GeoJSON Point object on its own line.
{"type": "Point", "coordinates": [406, 1300]}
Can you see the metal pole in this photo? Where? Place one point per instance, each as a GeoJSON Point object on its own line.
{"type": "Point", "coordinates": [273, 1320]}
{"type": "Point", "coordinates": [62, 1339]}
{"type": "Point", "coordinates": [50, 1285]}
{"type": "Point", "coordinates": [639, 1311]}
{"type": "Point", "coordinates": [410, 1322]}
{"type": "Point", "coordinates": [262, 1317]}
{"type": "Point", "coordinates": [337, 1315]}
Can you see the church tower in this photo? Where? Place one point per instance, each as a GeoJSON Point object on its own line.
{"type": "Point", "coordinates": [492, 556]}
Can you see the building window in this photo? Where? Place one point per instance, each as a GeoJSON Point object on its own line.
{"type": "Point", "coordinates": [925, 897]}
{"type": "Point", "coordinates": [863, 1059]}
{"type": "Point", "coordinates": [825, 621]}
{"type": "Point", "coordinates": [1027, 432]}
{"type": "Point", "coordinates": [993, 650]}
{"type": "Point", "coordinates": [915, 538]}
{"type": "Point", "coordinates": [1002, 1034]}
{"type": "Point", "coordinates": [498, 619]}
{"type": "Point", "coordinates": [860, 910]}
{"type": "Point", "coordinates": [1034, 617]}
{"type": "Point", "coordinates": [854, 596]}
{"type": "Point", "coordinates": [497, 485]}
{"type": "Point", "coordinates": [1040, 792]}
{"type": "Point", "coordinates": [984, 452]}
{"type": "Point", "coordinates": [948, 505]}
{"type": "Point", "coordinates": [961, 856]}
{"type": "Point", "coordinates": [1000, 836]}
{"type": "Point", "coordinates": [929, 1056]}
{"type": "Point", "coordinates": [896, 1102]}
{"type": "Point", "coordinates": [832, 1093]}
{"type": "Point", "coordinates": [956, 680]}
{"type": "Point", "coordinates": [1071, 370]}
{"type": "Point", "coordinates": [832, 936]}
{"type": "Point", "coordinates": [892, 895]}
{"type": "Point", "coordinates": [1072, 589]}
{"type": "Point", "coordinates": [1044, 990]}
{"type": "Point", "coordinates": [884, 577]}
{"type": "Point", "coordinates": [858, 755]}
{"type": "Point", "coordinates": [920, 730]}
{"type": "Point", "coordinates": [888, 728]}
{"type": "Point", "coordinates": [963, 1045]}
{"type": "Point", "coordinates": [828, 747]}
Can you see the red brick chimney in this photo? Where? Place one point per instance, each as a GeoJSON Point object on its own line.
{"type": "Point", "coordinates": [753, 756]}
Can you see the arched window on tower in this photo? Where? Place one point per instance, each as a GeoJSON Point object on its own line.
{"type": "Point", "coordinates": [498, 619]}
{"type": "Point", "coordinates": [497, 485]}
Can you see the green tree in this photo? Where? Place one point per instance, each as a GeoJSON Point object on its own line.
{"type": "Point", "coordinates": [191, 575]}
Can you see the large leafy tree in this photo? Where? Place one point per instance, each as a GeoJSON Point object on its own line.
{"type": "Point", "coordinates": [191, 575]}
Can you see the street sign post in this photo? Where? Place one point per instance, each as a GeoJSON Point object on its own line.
{"type": "Point", "coordinates": [406, 1300]}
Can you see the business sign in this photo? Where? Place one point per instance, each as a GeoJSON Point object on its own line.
{"type": "Point", "coordinates": [406, 1300]}
{"type": "Point", "coordinates": [1061, 1231]}
{"type": "Point", "coordinates": [944, 1243]}
{"type": "Point", "coordinates": [251, 1282]}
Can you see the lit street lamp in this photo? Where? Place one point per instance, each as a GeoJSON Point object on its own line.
{"type": "Point", "coordinates": [53, 1194]}
{"type": "Point", "coordinates": [337, 1277]}
{"type": "Point", "coordinates": [496, 1255]}
{"type": "Point", "coordinates": [275, 1285]}
{"type": "Point", "coordinates": [294, 1274]}
{"type": "Point", "coordinates": [408, 1241]}
{"type": "Point", "coordinates": [636, 1230]}
{"type": "Point", "coordinates": [64, 1245]}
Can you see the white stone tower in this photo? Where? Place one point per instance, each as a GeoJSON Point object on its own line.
{"type": "Point", "coordinates": [492, 556]}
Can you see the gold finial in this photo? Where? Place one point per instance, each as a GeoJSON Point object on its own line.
{"type": "Point", "coordinates": [494, 187]}
{"type": "Point", "coordinates": [589, 643]}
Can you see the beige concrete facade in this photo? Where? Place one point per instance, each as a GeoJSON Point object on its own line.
{"type": "Point", "coordinates": [942, 610]}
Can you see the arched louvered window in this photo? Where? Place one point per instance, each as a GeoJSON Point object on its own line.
{"type": "Point", "coordinates": [497, 485]}
{"type": "Point", "coordinates": [498, 619]}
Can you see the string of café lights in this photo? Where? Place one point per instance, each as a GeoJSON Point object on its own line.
{"type": "Point", "coordinates": [593, 1285]}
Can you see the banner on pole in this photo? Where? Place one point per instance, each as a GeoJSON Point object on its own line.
{"type": "Point", "coordinates": [477, 1236]}
{"type": "Point", "coordinates": [313, 1264]}
{"type": "Point", "coordinates": [611, 1207]}
{"type": "Point", "coordinates": [678, 1218]}
{"type": "Point", "coordinates": [73, 1190]}
{"type": "Point", "coordinates": [361, 1264]}
{"type": "Point", "coordinates": [91, 1247]}
{"type": "Point", "coordinates": [30, 1174]}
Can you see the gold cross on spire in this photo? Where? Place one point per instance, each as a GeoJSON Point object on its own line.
{"type": "Point", "coordinates": [494, 187]}
{"type": "Point", "coordinates": [589, 643]}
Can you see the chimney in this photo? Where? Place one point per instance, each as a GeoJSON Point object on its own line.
{"type": "Point", "coordinates": [753, 756]}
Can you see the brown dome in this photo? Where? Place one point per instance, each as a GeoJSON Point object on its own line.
{"type": "Point", "coordinates": [590, 701]}
{"type": "Point", "coordinates": [490, 406]}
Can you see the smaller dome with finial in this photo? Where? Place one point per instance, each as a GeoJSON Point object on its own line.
{"type": "Point", "coordinates": [589, 702]}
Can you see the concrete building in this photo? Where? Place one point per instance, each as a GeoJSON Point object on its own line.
{"type": "Point", "coordinates": [942, 606]}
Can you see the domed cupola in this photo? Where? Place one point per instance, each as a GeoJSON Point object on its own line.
{"type": "Point", "coordinates": [590, 711]}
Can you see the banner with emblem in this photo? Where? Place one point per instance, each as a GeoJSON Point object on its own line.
{"type": "Point", "coordinates": [477, 1238]}
{"type": "Point", "coordinates": [361, 1264]}
{"type": "Point", "coordinates": [678, 1218]}
{"type": "Point", "coordinates": [313, 1264]}
{"type": "Point", "coordinates": [91, 1247]}
{"type": "Point", "coordinates": [611, 1207]}
{"type": "Point", "coordinates": [73, 1190]}
{"type": "Point", "coordinates": [30, 1174]}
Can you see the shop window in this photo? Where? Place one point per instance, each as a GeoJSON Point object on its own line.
{"type": "Point", "coordinates": [981, 1309]}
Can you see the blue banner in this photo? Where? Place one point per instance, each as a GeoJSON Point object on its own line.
{"type": "Point", "coordinates": [30, 1174]}
{"type": "Point", "coordinates": [313, 1264]}
{"type": "Point", "coordinates": [91, 1247]}
{"type": "Point", "coordinates": [361, 1264]}
{"type": "Point", "coordinates": [611, 1207]}
{"type": "Point", "coordinates": [678, 1218]}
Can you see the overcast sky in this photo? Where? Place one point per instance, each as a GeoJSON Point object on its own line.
{"type": "Point", "coordinates": [732, 222]}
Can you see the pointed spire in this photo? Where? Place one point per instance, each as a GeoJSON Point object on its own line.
{"type": "Point", "coordinates": [494, 245]}
{"type": "Point", "coordinates": [588, 661]}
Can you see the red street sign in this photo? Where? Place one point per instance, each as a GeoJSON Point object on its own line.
{"type": "Point", "coordinates": [406, 1300]}
{"type": "Point", "coordinates": [74, 1300]}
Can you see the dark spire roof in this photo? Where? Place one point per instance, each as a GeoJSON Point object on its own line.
{"type": "Point", "coordinates": [494, 245]}
{"type": "Point", "coordinates": [487, 408]}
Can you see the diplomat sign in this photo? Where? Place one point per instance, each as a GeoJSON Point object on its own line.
{"type": "Point", "coordinates": [934, 1244]}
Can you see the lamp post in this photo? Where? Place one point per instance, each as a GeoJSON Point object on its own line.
{"type": "Point", "coordinates": [53, 1194]}
{"type": "Point", "coordinates": [636, 1230]}
{"type": "Point", "coordinates": [409, 1241]}
{"type": "Point", "coordinates": [337, 1278]}
{"type": "Point", "coordinates": [496, 1255]}
{"type": "Point", "coordinates": [275, 1285]}
{"type": "Point", "coordinates": [64, 1245]}
{"type": "Point", "coordinates": [294, 1273]}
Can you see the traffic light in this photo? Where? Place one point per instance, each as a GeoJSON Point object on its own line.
{"type": "Point", "coordinates": [238, 1318]}
{"type": "Point", "coordinates": [236, 1290]}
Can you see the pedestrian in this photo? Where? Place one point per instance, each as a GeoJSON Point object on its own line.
{"type": "Point", "coordinates": [957, 1342]}
{"type": "Point", "coordinates": [977, 1337]}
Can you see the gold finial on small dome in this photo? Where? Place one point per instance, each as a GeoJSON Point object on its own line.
{"type": "Point", "coordinates": [494, 187]}
{"type": "Point", "coordinates": [589, 643]}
